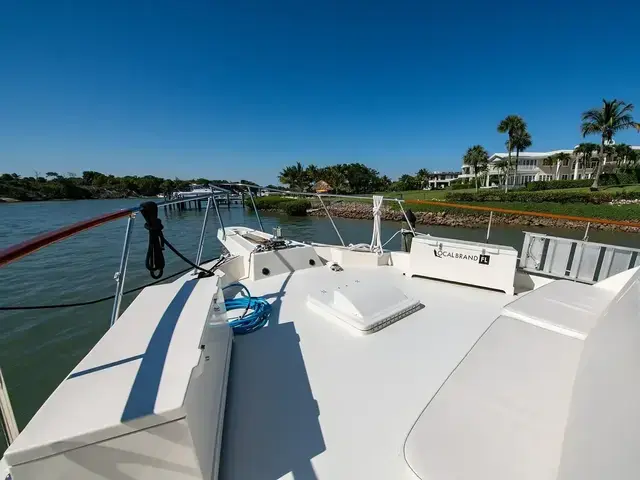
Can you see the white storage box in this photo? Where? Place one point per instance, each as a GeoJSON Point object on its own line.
{"type": "Point", "coordinates": [147, 402]}
{"type": "Point", "coordinates": [471, 263]}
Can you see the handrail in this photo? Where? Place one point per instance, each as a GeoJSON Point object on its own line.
{"type": "Point", "coordinates": [622, 223]}
{"type": "Point", "coordinates": [27, 247]}
{"type": "Point", "coordinates": [15, 252]}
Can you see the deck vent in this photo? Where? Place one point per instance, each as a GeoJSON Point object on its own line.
{"type": "Point", "coordinates": [366, 307]}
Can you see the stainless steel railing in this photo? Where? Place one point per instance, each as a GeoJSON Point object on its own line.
{"type": "Point", "coordinates": [577, 260]}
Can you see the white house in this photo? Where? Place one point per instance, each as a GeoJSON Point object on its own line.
{"type": "Point", "coordinates": [532, 168]}
{"type": "Point", "coordinates": [441, 179]}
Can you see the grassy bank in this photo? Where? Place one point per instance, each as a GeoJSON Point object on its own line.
{"type": "Point", "coordinates": [442, 194]}
{"type": "Point", "coordinates": [604, 211]}
{"type": "Point", "coordinates": [579, 202]}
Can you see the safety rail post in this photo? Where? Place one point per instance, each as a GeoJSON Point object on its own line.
{"type": "Point", "coordinates": [255, 209]}
{"type": "Point", "coordinates": [586, 233]}
{"type": "Point", "coordinates": [489, 226]}
{"type": "Point", "coordinates": [202, 234]}
{"type": "Point", "coordinates": [413, 232]}
{"type": "Point", "coordinates": [120, 274]}
{"type": "Point", "coordinates": [9, 426]}
{"type": "Point", "coordinates": [331, 220]}
{"type": "Point", "coordinates": [215, 205]}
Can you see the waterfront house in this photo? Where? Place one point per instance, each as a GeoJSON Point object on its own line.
{"type": "Point", "coordinates": [441, 179]}
{"type": "Point", "coordinates": [534, 167]}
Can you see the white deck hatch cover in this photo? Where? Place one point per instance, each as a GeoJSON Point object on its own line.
{"type": "Point", "coordinates": [365, 306]}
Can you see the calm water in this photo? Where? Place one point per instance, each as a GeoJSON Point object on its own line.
{"type": "Point", "coordinates": [39, 348]}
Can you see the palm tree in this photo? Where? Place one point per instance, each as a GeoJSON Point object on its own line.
{"type": "Point", "coordinates": [623, 153]}
{"type": "Point", "coordinates": [614, 116]}
{"type": "Point", "coordinates": [562, 158]}
{"type": "Point", "coordinates": [477, 158]}
{"type": "Point", "coordinates": [423, 177]}
{"type": "Point", "coordinates": [521, 141]}
{"type": "Point", "coordinates": [313, 173]}
{"type": "Point", "coordinates": [334, 176]}
{"type": "Point", "coordinates": [510, 125]}
{"type": "Point", "coordinates": [502, 166]}
{"type": "Point", "coordinates": [295, 176]}
{"type": "Point", "coordinates": [586, 150]}
{"type": "Point", "coordinates": [555, 161]}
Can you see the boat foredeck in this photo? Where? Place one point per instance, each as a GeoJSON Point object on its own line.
{"type": "Point", "coordinates": [310, 399]}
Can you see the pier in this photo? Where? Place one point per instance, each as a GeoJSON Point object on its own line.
{"type": "Point", "coordinates": [226, 199]}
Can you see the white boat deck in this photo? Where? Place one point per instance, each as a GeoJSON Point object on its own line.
{"type": "Point", "coordinates": [310, 399]}
{"type": "Point", "coordinates": [341, 385]}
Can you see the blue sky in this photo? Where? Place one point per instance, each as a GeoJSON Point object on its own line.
{"type": "Point", "coordinates": [238, 89]}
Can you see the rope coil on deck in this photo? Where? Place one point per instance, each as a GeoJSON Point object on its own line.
{"type": "Point", "coordinates": [249, 321]}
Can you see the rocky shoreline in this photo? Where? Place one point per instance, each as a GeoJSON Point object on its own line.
{"type": "Point", "coordinates": [462, 219]}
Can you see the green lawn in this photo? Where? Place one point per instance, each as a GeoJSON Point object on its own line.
{"type": "Point", "coordinates": [440, 194]}
{"type": "Point", "coordinates": [606, 211]}
{"type": "Point", "coordinates": [610, 212]}
{"type": "Point", "coordinates": [422, 194]}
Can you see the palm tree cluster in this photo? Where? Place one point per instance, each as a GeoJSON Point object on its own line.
{"type": "Point", "coordinates": [351, 178]}
{"type": "Point", "coordinates": [519, 139]}
{"type": "Point", "coordinates": [477, 158]}
{"type": "Point", "coordinates": [342, 178]}
{"type": "Point", "coordinates": [614, 116]}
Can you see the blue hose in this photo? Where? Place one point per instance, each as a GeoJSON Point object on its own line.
{"type": "Point", "coordinates": [249, 321]}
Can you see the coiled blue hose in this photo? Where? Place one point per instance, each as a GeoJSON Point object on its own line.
{"type": "Point", "coordinates": [249, 321]}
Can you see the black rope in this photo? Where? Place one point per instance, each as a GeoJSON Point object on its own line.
{"type": "Point", "coordinates": [103, 299]}
{"type": "Point", "coordinates": [155, 258]}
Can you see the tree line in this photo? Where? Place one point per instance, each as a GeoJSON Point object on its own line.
{"type": "Point", "coordinates": [348, 178]}
{"type": "Point", "coordinates": [612, 117]}
{"type": "Point", "coordinates": [92, 184]}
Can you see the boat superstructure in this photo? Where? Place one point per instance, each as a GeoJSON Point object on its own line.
{"type": "Point", "coordinates": [454, 360]}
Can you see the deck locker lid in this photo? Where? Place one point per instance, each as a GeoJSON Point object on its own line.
{"type": "Point", "coordinates": [135, 377]}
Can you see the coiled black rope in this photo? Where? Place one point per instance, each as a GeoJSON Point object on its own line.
{"type": "Point", "coordinates": [155, 258]}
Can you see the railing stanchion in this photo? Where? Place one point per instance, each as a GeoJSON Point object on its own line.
{"type": "Point", "coordinates": [8, 421]}
{"type": "Point", "coordinates": [120, 274]}
{"type": "Point", "coordinates": [202, 234]}
{"type": "Point", "coordinates": [489, 226]}
{"type": "Point", "coordinates": [413, 232]}
{"type": "Point", "coordinates": [331, 220]}
{"type": "Point", "coordinates": [586, 233]}
{"type": "Point", "coordinates": [255, 209]}
{"type": "Point", "coordinates": [215, 205]}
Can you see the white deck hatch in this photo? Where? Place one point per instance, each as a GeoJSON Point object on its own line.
{"type": "Point", "coordinates": [366, 306]}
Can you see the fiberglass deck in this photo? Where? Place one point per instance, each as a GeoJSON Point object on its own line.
{"type": "Point", "coordinates": [309, 399]}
